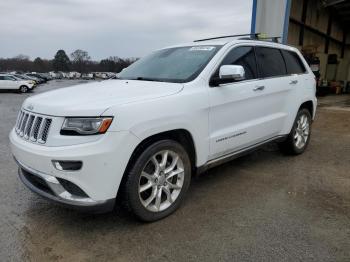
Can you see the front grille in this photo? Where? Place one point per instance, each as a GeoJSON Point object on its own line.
{"type": "Point", "coordinates": [33, 127]}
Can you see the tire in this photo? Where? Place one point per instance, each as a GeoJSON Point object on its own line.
{"type": "Point", "coordinates": [299, 137]}
{"type": "Point", "coordinates": [154, 190]}
{"type": "Point", "coordinates": [23, 89]}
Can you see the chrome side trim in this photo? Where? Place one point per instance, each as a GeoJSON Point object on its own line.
{"type": "Point", "coordinates": [235, 154]}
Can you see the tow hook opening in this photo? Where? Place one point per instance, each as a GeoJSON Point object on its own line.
{"type": "Point", "coordinates": [63, 165]}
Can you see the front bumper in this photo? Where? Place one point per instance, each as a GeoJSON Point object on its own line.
{"type": "Point", "coordinates": [97, 182]}
{"type": "Point", "coordinates": [50, 188]}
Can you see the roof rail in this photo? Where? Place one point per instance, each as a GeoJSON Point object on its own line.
{"type": "Point", "coordinates": [226, 36]}
{"type": "Point", "coordinates": [266, 38]}
{"type": "Point", "coordinates": [256, 36]}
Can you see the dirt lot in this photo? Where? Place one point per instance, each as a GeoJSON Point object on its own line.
{"type": "Point", "coordinates": [262, 207]}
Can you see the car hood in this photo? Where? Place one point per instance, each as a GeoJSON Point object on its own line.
{"type": "Point", "coordinates": [94, 98]}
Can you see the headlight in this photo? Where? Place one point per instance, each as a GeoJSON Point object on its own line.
{"type": "Point", "coordinates": [85, 126]}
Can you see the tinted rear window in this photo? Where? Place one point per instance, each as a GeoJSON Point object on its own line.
{"type": "Point", "coordinates": [293, 62]}
{"type": "Point", "coordinates": [270, 62]}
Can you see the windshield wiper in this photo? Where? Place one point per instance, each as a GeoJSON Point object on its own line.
{"type": "Point", "coordinates": [147, 79]}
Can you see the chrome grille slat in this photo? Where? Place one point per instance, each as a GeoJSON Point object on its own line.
{"type": "Point", "coordinates": [33, 127]}
{"type": "Point", "coordinates": [37, 127]}
{"type": "Point", "coordinates": [46, 129]}
{"type": "Point", "coordinates": [28, 126]}
{"type": "Point", "coordinates": [18, 122]}
{"type": "Point", "coordinates": [31, 133]}
{"type": "Point", "coordinates": [21, 122]}
{"type": "Point", "coordinates": [23, 125]}
{"type": "Point", "coordinates": [41, 130]}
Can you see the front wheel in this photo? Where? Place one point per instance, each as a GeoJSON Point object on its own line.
{"type": "Point", "coordinates": [299, 137]}
{"type": "Point", "coordinates": [158, 180]}
{"type": "Point", "coordinates": [23, 89]}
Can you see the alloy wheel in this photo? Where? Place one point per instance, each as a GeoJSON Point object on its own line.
{"type": "Point", "coordinates": [161, 181]}
{"type": "Point", "coordinates": [302, 131]}
{"type": "Point", "coordinates": [23, 89]}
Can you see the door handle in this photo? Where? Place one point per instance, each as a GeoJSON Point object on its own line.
{"type": "Point", "coordinates": [259, 88]}
{"type": "Point", "coordinates": [294, 82]}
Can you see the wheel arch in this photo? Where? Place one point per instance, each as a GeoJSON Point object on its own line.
{"type": "Point", "coordinates": [309, 105]}
{"type": "Point", "coordinates": [182, 136]}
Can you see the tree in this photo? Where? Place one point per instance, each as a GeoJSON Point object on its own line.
{"type": "Point", "coordinates": [20, 62]}
{"type": "Point", "coordinates": [115, 64]}
{"type": "Point", "coordinates": [80, 60]}
{"type": "Point", "coordinates": [61, 61]}
{"type": "Point", "coordinates": [38, 65]}
{"type": "Point", "coordinates": [21, 57]}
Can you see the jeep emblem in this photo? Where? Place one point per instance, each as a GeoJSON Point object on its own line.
{"type": "Point", "coordinates": [30, 107]}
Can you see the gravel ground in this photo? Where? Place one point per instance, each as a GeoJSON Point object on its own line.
{"type": "Point", "coordinates": [262, 207]}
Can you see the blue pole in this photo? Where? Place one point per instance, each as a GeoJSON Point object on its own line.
{"type": "Point", "coordinates": [252, 26]}
{"type": "Point", "coordinates": [286, 22]}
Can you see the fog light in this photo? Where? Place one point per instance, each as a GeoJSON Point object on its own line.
{"type": "Point", "coordinates": [63, 165]}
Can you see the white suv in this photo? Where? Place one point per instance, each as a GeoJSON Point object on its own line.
{"type": "Point", "coordinates": [9, 82]}
{"type": "Point", "coordinates": [178, 111]}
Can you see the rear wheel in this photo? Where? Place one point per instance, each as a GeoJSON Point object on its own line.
{"type": "Point", "coordinates": [299, 137]}
{"type": "Point", "coordinates": [158, 180]}
{"type": "Point", "coordinates": [23, 89]}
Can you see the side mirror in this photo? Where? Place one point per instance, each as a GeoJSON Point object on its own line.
{"type": "Point", "coordinates": [231, 72]}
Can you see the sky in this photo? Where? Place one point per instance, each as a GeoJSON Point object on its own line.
{"type": "Point", "coordinates": [128, 28]}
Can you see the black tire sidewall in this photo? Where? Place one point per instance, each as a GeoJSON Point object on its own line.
{"type": "Point", "coordinates": [131, 190]}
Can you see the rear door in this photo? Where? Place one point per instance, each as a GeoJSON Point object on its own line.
{"type": "Point", "coordinates": [278, 86]}
{"type": "Point", "coordinates": [295, 69]}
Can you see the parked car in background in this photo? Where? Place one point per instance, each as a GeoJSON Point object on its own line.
{"type": "Point", "coordinates": [37, 80]}
{"type": "Point", "coordinates": [45, 76]}
{"type": "Point", "coordinates": [53, 75]}
{"type": "Point", "coordinates": [26, 78]}
{"type": "Point", "coordinates": [74, 75]}
{"type": "Point", "coordinates": [37, 76]}
{"type": "Point", "coordinates": [89, 76]}
{"type": "Point", "coordinates": [10, 82]}
{"type": "Point", "coordinates": [101, 75]}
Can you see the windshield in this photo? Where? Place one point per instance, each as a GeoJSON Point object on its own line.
{"type": "Point", "coordinates": [19, 77]}
{"type": "Point", "coordinates": [179, 64]}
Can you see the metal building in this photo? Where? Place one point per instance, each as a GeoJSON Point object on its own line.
{"type": "Point", "coordinates": [319, 28]}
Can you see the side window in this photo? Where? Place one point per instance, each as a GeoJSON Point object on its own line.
{"type": "Point", "coordinates": [293, 63]}
{"type": "Point", "coordinates": [9, 78]}
{"type": "Point", "coordinates": [243, 56]}
{"type": "Point", "coordinates": [270, 62]}
{"type": "Point", "coordinates": [2, 78]}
